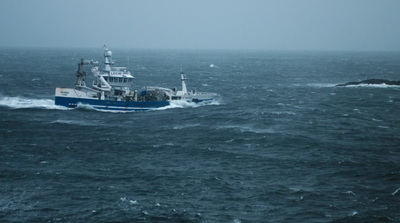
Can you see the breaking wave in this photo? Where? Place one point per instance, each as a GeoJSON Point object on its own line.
{"type": "Point", "coordinates": [373, 86]}
{"type": "Point", "coordinates": [21, 102]}
{"type": "Point", "coordinates": [321, 85]}
{"type": "Point", "coordinates": [382, 83]}
{"type": "Point", "coordinates": [82, 106]}
{"type": "Point", "coordinates": [188, 104]}
{"type": "Point", "coordinates": [329, 85]}
{"type": "Point", "coordinates": [179, 104]}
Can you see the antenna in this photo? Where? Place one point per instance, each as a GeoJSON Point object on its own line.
{"type": "Point", "coordinates": [127, 66]}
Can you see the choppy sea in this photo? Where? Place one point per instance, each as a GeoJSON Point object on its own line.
{"type": "Point", "coordinates": [282, 143]}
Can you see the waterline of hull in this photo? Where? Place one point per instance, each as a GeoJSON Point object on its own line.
{"type": "Point", "coordinates": [110, 105]}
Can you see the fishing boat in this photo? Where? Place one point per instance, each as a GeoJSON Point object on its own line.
{"type": "Point", "coordinates": [111, 90]}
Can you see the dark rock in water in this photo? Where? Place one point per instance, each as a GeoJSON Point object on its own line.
{"type": "Point", "coordinates": [370, 81]}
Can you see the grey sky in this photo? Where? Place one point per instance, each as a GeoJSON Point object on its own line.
{"type": "Point", "coordinates": [203, 24]}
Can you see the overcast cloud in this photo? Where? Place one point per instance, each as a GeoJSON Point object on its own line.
{"type": "Point", "coordinates": [204, 24]}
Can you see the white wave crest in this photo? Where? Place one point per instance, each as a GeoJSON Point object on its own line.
{"type": "Point", "coordinates": [187, 104]}
{"type": "Point", "coordinates": [21, 102]}
{"type": "Point", "coordinates": [179, 104]}
{"type": "Point", "coordinates": [76, 122]}
{"type": "Point", "coordinates": [321, 85]}
{"type": "Point", "coordinates": [86, 107]}
{"type": "Point", "coordinates": [373, 86]}
{"type": "Point", "coordinates": [396, 191]}
{"type": "Point", "coordinates": [329, 85]}
{"type": "Point", "coordinates": [248, 128]}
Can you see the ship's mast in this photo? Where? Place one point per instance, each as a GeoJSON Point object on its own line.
{"type": "Point", "coordinates": [183, 78]}
{"type": "Point", "coordinates": [107, 59]}
{"type": "Point", "coordinates": [80, 74]}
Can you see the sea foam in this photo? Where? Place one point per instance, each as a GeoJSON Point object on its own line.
{"type": "Point", "coordinates": [187, 104]}
{"type": "Point", "coordinates": [21, 102]}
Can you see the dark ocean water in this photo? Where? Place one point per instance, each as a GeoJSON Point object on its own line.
{"type": "Point", "coordinates": [281, 144]}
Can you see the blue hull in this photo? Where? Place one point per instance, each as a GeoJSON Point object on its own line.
{"type": "Point", "coordinates": [110, 105]}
